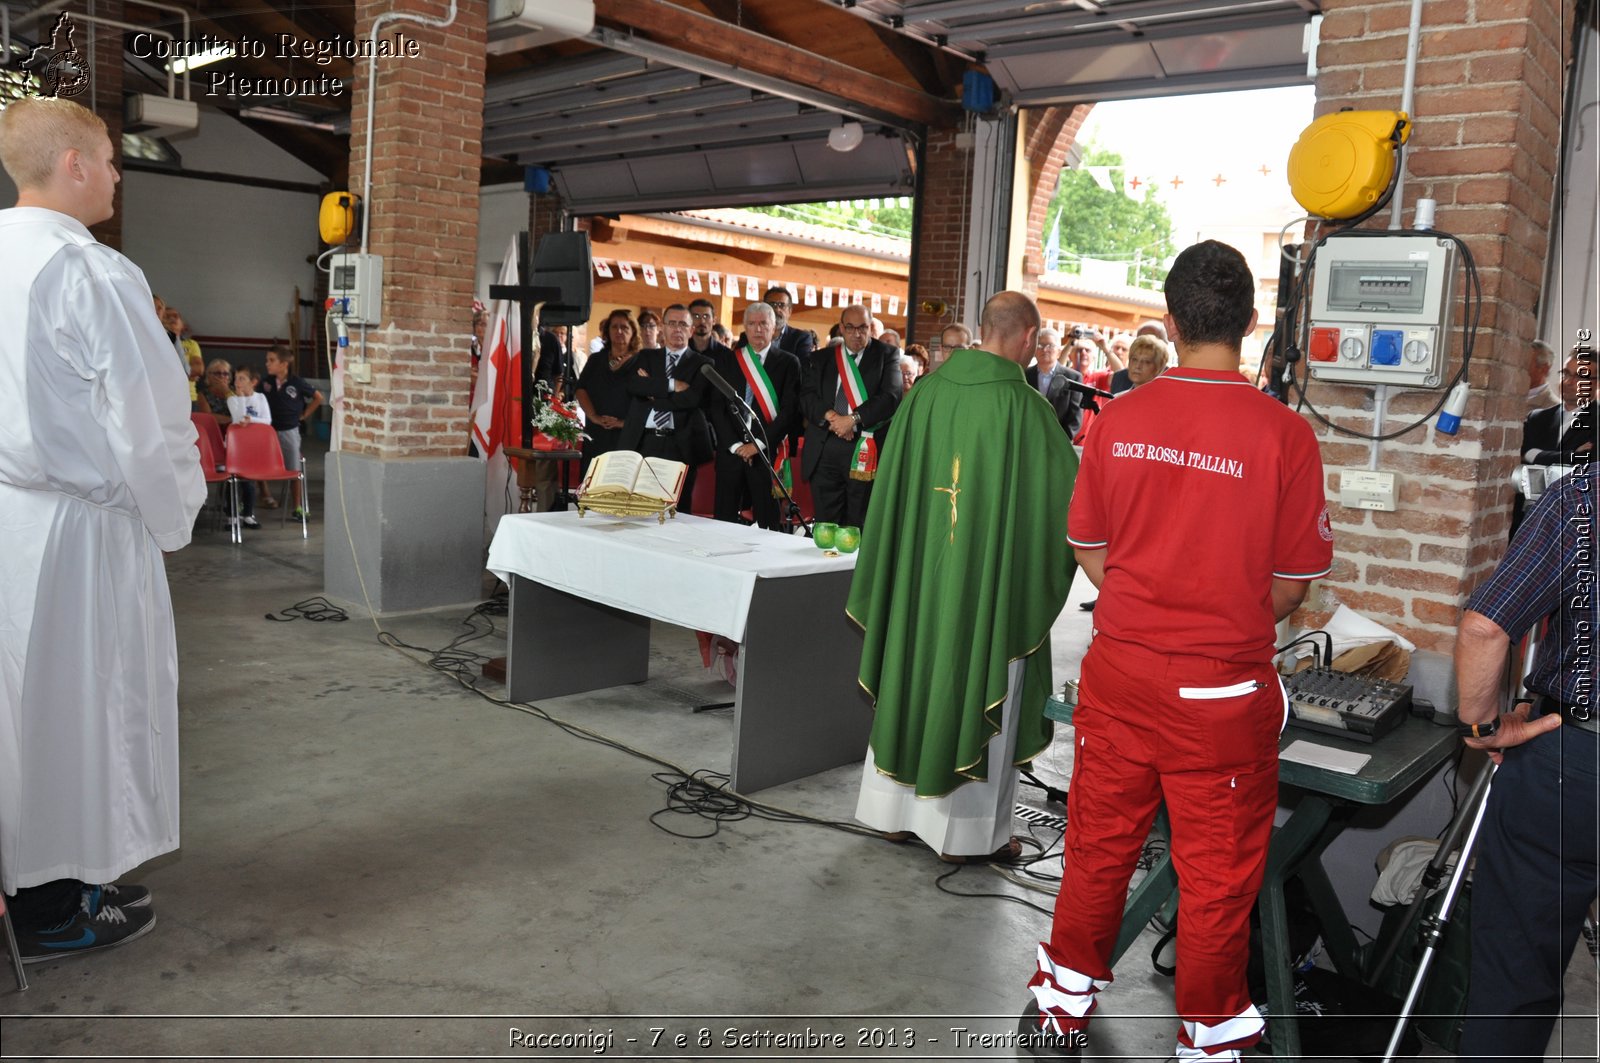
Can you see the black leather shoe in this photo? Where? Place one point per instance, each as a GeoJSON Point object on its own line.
{"type": "Point", "coordinates": [1033, 1042]}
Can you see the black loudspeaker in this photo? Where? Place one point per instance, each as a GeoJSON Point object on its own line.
{"type": "Point", "coordinates": [561, 260]}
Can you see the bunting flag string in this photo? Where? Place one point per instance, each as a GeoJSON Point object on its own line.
{"type": "Point", "coordinates": [676, 278]}
{"type": "Point", "coordinates": [1124, 180]}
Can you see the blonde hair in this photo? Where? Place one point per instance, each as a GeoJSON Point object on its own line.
{"type": "Point", "coordinates": [1148, 345]}
{"type": "Point", "coordinates": [35, 131]}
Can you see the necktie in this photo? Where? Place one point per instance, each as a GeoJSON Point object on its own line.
{"type": "Point", "coordinates": [659, 419]}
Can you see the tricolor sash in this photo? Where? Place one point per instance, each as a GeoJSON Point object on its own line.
{"type": "Point", "coordinates": [755, 375]}
{"type": "Point", "coordinates": [864, 463]}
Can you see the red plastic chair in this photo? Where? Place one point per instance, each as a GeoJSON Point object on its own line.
{"type": "Point", "coordinates": [254, 454]}
{"type": "Point", "coordinates": [211, 432]}
{"type": "Point", "coordinates": [211, 467]}
{"type": "Point", "coordinates": [703, 501]}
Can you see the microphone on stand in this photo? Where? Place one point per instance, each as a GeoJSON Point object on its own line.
{"type": "Point", "coordinates": [1085, 389]}
{"type": "Point", "coordinates": [716, 379]}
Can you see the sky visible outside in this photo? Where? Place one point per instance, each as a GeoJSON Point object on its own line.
{"type": "Point", "coordinates": [1197, 139]}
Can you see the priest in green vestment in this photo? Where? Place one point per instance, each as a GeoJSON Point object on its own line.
{"type": "Point", "coordinates": [964, 567]}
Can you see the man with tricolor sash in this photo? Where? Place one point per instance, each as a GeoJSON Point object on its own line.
{"type": "Point", "coordinates": [770, 381]}
{"type": "Point", "coordinates": [850, 392]}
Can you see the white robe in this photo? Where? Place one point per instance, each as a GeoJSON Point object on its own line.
{"type": "Point", "coordinates": [976, 817]}
{"type": "Point", "coordinates": [98, 475]}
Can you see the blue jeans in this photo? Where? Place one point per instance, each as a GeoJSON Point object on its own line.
{"type": "Point", "coordinates": [1534, 879]}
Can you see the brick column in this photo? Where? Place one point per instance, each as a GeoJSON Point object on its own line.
{"type": "Point", "coordinates": [424, 213]}
{"type": "Point", "coordinates": [1051, 132]}
{"type": "Point", "coordinates": [1487, 111]}
{"type": "Point", "coordinates": [416, 496]}
{"type": "Point", "coordinates": [943, 189]}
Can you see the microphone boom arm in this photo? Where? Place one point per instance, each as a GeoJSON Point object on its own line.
{"type": "Point", "coordinates": [746, 418]}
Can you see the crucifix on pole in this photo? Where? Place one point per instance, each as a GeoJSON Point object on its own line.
{"type": "Point", "coordinates": [530, 300]}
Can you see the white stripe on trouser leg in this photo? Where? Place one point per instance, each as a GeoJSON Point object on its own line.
{"type": "Point", "coordinates": [1227, 1055]}
{"type": "Point", "coordinates": [1243, 1025]}
{"type": "Point", "coordinates": [1061, 993]}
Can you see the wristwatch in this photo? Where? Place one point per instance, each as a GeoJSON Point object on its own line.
{"type": "Point", "coordinates": [1479, 730]}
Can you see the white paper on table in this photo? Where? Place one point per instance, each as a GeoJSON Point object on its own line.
{"type": "Point", "coordinates": [1350, 629]}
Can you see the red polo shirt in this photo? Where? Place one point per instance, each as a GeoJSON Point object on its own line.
{"type": "Point", "coordinates": [1201, 490]}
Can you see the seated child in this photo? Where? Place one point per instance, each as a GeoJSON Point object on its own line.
{"type": "Point", "coordinates": [248, 406]}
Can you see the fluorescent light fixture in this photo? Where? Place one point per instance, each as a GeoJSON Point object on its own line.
{"type": "Point", "coordinates": [215, 54]}
{"type": "Point", "coordinates": [284, 117]}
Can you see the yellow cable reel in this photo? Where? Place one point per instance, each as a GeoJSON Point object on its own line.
{"type": "Point", "coordinates": [336, 219]}
{"type": "Point", "coordinates": [1345, 160]}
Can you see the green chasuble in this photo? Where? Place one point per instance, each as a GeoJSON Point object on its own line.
{"type": "Point", "coordinates": [964, 566]}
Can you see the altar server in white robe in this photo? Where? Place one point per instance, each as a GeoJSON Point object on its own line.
{"type": "Point", "coordinates": [99, 474]}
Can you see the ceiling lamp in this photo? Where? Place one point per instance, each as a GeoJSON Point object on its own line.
{"type": "Point", "coordinates": [846, 137]}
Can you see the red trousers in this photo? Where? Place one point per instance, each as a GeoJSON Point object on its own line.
{"type": "Point", "coordinates": [1201, 735]}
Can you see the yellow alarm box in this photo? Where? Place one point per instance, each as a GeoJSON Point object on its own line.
{"type": "Point", "coordinates": [337, 218]}
{"type": "Point", "coordinates": [1343, 161]}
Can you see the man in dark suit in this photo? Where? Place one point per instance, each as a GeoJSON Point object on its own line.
{"type": "Point", "coordinates": [702, 340]}
{"type": "Point", "coordinates": [1049, 368]}
{"type": "Point", "coordinates": [1559, 434]}
{"type": "Point", "coordinates": [769, 379]}
{"type": "Point", "coordinates": [666, 418]}
{"type": "Point", "coordinates": [796, 341]}
{"type": "Point", "coordinates": [840, 419]}
{"type": "Point", "coordinates": [1554, 436]}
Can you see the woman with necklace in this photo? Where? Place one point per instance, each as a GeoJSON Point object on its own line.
{"type": "Point", "coordinates": [601, 393]}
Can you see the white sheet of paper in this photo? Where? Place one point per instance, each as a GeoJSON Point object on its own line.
{"type": "Point", "coordinates": [1342, 761]}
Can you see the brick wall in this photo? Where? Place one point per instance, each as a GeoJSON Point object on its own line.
{"type": "Point", "coordinates": [946, 189]}
{"type": "Point", "coordinates": [1488, 104]}
{"type": "Point", "coordinates": [1051, 132]}
{"type": "Point", "coordinates": [424, 208]}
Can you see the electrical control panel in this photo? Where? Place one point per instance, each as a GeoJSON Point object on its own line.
{"type": "Point", "coordinates": [355, 284]}
{"type": "Point", "coordinates": [1381, 310]}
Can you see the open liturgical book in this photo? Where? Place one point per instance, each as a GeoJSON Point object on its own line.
{"type": "Point", "coordinates": [628, 476]}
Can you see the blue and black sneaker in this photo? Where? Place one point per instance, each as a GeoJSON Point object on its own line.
{"type": "Point", "coordinates": [112, 894]}
{"type": "Point", "coordinates": [105, 928]}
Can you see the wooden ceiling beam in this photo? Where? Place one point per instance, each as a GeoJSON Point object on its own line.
{"type": "Point", "coordinates": [711, 38]}
{"type": "Point", "coordinates": [918, 61]}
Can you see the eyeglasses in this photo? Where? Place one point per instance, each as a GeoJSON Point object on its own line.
{"type": "Point", "coordinates": [779, 304]}
{"type": "Point", "coordinates": [846, 327]}
{"type": "Point", "coordinates": [701, 317]}
{"type": "Point", "coordinates": [217, 372]}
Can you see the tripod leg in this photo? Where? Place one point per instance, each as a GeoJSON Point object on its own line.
{"type": "Point", "coordinates": [1436, 927]}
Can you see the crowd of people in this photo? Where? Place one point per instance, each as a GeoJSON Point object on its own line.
{"type": "Point", "coordinates": [244, 395]}
{"type": "Point", "coordinates": [979, 494]}
{"type": "Point", "coordinates": [819, 411]}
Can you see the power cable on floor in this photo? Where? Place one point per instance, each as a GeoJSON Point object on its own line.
{"type": "Point", "coordinates": [939, 884]}
{"type": "Point", "coordinates": [318, 610]}
{"type": "Point", "coordinates": [697, 792]}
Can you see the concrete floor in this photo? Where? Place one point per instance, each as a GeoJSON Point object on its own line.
{"type": "Point", "coordinates": [378, 862]}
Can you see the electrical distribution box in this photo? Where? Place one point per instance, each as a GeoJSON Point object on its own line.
{"type": "Point", "coordinates": [355, 284]}
{"type": "Point", "coordinates": [1381, 310]}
